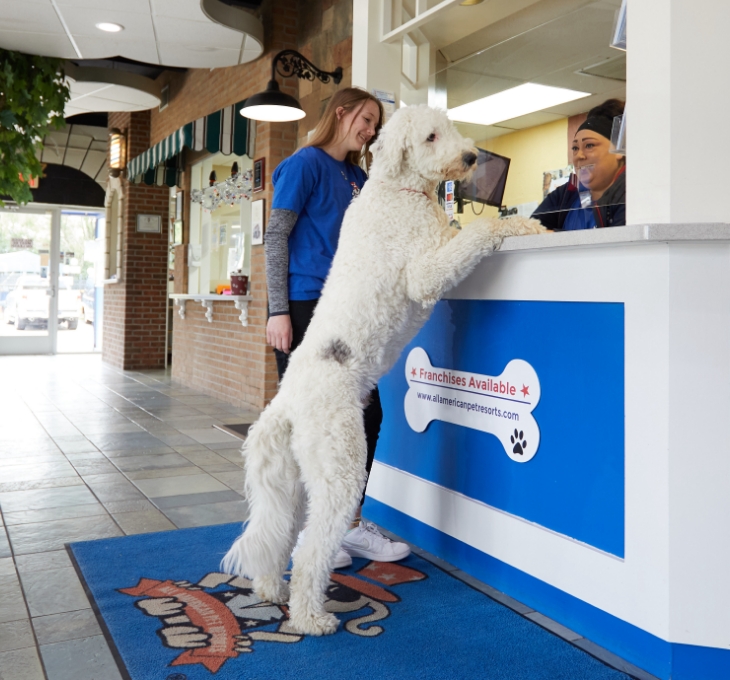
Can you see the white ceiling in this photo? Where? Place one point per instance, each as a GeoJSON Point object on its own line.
{"type": "Point", "coordinates": [164, 32]}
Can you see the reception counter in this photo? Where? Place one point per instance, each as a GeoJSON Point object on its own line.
{"type": "Point", "coordinates": [560, 429]}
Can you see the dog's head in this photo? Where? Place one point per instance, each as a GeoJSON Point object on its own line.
{"type": "Point", "coordinates": [421, 141]}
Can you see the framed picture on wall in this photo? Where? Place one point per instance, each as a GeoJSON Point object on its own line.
{"type": "Point", "coordinates": [257, 221]}
{"type": "Point", "coordinates": [258, 174]}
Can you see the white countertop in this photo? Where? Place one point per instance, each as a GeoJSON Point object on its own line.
{"type": "Point", "coordinates": [638, 233]}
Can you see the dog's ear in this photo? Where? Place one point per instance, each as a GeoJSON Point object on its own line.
{"type": "Point", "coordinates": [390, 147]}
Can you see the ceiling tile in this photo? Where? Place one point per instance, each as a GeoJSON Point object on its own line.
{"type": "Point", "coordinates": [100, 48]}
{"type": "Point", "coordinates": [81, 21]}
{"type": "Point", "coordinates": [186, 33]}
{"type": "Point", "coordinates": [44, 44]}
{"type": "Point", "coordinates": [139, 6]}
{"type": "Point", "coordinates": [32, 17]}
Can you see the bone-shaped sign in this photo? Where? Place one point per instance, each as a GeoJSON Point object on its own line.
{"type": "Point", "coordinates": [501, 405]}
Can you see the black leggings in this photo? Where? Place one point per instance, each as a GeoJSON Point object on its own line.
{"type": "Point", "coordinates": [300, 312]}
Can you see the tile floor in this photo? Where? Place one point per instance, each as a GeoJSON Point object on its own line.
{"type": "Point", "coordinates": [88, 451]}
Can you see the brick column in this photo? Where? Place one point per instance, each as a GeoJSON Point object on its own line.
{"type": "Point", "coordinates": [134, 307]}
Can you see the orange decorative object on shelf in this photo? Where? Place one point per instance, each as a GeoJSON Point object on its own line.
{"type": "Point", "coordinates": [221, 290]}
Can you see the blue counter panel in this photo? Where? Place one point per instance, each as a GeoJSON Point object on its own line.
{"type": "Point", "coordinates": [573, 483]}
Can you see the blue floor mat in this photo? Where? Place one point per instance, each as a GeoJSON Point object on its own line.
{"type": "Point", "coordinates": [171, 615]}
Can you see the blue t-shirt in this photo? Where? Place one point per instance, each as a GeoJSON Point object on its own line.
{"type": "Point", "coordinates": [319, 189]}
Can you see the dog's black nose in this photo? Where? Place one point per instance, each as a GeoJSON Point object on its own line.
{"type": "Point", "coordinates": [469, 159]}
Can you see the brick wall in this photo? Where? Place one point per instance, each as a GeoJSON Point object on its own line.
{"type": "Point", "coordinates": [134, 307]}
{"type": "Point", "coordinates": [325, 38]}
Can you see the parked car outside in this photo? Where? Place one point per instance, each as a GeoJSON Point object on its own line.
{"type": "Point", "coordinates": [28, 303]}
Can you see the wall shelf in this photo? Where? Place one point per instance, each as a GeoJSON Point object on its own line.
{"type": "Point", "coordinates": [240, 302]}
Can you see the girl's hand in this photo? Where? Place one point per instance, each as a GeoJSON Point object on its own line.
{"type": "Point", "coordinates": [279, 332]}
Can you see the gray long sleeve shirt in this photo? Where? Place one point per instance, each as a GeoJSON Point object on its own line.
{"type": "Point", "coordinates": [276, 249]}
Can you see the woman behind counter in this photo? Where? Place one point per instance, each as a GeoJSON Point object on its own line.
{"type": "Point", "coordinates": [602, 174]}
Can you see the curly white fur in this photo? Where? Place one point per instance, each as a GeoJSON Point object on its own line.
{"type": "Point", "coordinates": [396, 257]}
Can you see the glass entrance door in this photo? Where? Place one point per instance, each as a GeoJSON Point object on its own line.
{"type": "Point", "coordinates": [29, 280]}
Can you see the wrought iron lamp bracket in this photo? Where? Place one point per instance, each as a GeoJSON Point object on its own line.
{"type": "Point", "coordinates": [290, 63]}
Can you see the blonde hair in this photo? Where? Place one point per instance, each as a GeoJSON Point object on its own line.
{"type": "Point", "coordinates": [327, 129]}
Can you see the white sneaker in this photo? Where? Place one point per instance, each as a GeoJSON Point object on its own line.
{"type": "Point", "coordinates": [342, 559]}
{"type": "Point", "coordinates": [366, 541]}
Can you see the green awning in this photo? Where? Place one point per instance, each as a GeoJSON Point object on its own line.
{"type": "Point", "coordinates": [225, 131]}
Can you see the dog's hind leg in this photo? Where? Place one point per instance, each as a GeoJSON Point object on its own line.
{"type": "Point", "coordinates": [333, 470]}
{"type": "Point", "coordinates": [273, 492]}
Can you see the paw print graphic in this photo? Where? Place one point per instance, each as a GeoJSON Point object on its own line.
{"type": "Point", "coordinates": [520, 444]}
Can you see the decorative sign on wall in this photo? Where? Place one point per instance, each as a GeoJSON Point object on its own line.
{"type": "Point", "coordinates": [149, 224]}
{"type": "Point", "coordinates": [257, 222]}
{"type": "Point", "coordinates": [21, 243]}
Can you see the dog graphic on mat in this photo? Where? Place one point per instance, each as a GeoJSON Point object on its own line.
{"type": "Point", "coordinates": [305, 456]}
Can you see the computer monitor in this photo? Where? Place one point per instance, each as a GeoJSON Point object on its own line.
{"type": "Point", "coordinates": [488, 181]}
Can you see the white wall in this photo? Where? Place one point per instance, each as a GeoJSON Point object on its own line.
{"type": "Point", "coordinates": [677, 109]}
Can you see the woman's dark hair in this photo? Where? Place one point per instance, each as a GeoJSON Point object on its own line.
{"type": "Point", "coordinates": [609, 109]}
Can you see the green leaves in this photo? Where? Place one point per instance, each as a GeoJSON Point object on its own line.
{"type": "Point", "coordinates": [33, 94]}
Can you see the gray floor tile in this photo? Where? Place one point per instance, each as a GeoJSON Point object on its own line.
{"type": "Point", "coordinates": [94, 467]}
{"type": "Point", "coordinates": [177, 486]}
{"type": "Point", "coordinates": [117, 492]}
{"type": "Point", "coordinates": [220, 467]}
{"type": "Point", "coordinates": [7, 566]}
{"type": "Point", "coordinates": [113, 454]}
{"type": "Point", "coordinates": [34, 471]}
{"type": "Point", "coordinates": [105, 478]}
{"type": "Point", "coordinates": [554, 626]}
{"type": "Point", "coordinates": [209, 435]}
{"type": "Point", "coordinates": [233, 479]}
{"type": "Point", "coordinates": [4, 544]}
{"type": "Point", "coordinates": [125, 441]}
{"type": "Point", "coordinates": [66, 626]}
{"type": "Point", "coordinates": [136, 505]}
{"type": "Point", "coordinates": [48, 483]}
{"type": "Point", "coordinates": [234, 444]}
{"type": "Point", "coordinates": [75, 446]}
{"type": "Point", "coordinates": [174, 439]}
{"type": "Point", "coordinates": [53, 591]}
{"type": "Point", "coordinates": [206, 457]}
{"type": "Point", "coordinates": [197, 499]}
{"type": "Point", "coordinates": [163, 472]}
{"type": "Point", "coordinates": [35, 538]}
{"type": "Point", "coordinates": [12, 604]}
{"type": "Point", "coordinates": [16, 635]}
{"type": "Point", "coordinates": [83, 659]}
{"type": "Point", "coordinates": [206, 515]}
{"type": "Point", "coordinates": [143, 522]}
{"type": "Point", "coordinates": [39, 499]}
{"type": "Point", "coordinates": [151, 462]}
{"type": "Point", "coordinates": [85, 456]}
{"type": "Point", "coordinates": [46, 514]}
{"type": "Point", "coordinates": [21, 664]}
{"type": "Point", "coordinates": [56, 559]}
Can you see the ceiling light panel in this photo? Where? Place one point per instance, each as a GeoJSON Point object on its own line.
{"type": "Point", "coordinates": [109, 27]}
{"type": "Point", "coordinates": [516, 101]}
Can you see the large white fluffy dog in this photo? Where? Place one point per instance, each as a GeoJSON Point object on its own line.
{"type": "Point", "coordinates": [306, 454]}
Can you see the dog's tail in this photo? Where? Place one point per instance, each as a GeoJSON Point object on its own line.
{"type": "Point", "coordinates": [273, 493]}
